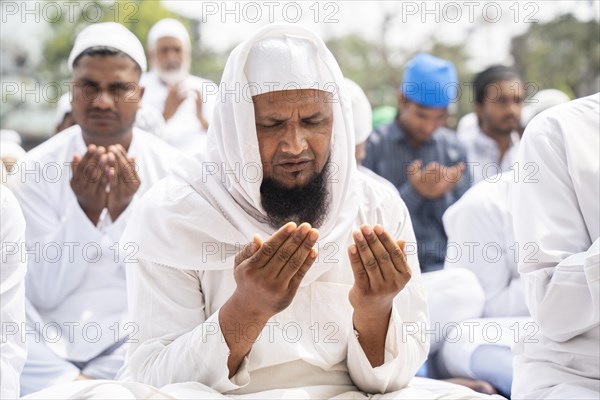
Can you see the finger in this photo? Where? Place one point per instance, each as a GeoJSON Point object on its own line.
{"type": "Point", "coordinates": [402, 245]}
{"type": "Point", "coordinates": [358, 269]}
{"type": "Point", "coordinates": [301, 252]}
{"type": "Point", "coordinates": [75, 164]}
{"type": "Point", "coordinates": [270, 247]}
{"type": "Point", "coordinates": [395, 251]}
{"type": "Point", "coordinates": [91, 150]}
{"type": "Point", "coordinates": [301, 273]}
{"type": "Point", "coordinates": [381, 254]}
{"type": "Point", "coordinates": [367, 258]}
{"type": "Point", "coordinates": [247, 251]}
{"type": "Point", "coordinates": [288, 248]}
{"type": "Point", "coordinates": [127, 170]}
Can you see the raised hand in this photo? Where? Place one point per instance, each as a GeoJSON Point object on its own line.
{"type": "Point", "coordinates": [122, 178]}
{"type": "Point", "coordinates": [380, 273]}
{"type": "Point", "coordinates": [89, 182]}
{"type": "Point", "coordinates": [199, 114]}
{"type": "Point", "coordinates": [175, 97]}
{"type": "Point", "coordinates": [268, 279]}
{"type": "Point", "coordinates": [267, 276]}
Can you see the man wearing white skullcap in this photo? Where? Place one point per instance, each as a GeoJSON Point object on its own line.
{"type": "Point", "coordinates": [186, 101]}
{"type": "Point", "coordinates": [77, 190]}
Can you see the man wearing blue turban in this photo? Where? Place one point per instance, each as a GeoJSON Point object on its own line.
{"type": "Point", "coordinates": [418, 154]}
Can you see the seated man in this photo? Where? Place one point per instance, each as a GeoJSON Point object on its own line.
{"type": "Point", "coordinates": [492, 143]}
{"type": "Point", "coordinates": [12, 294]}
{"type": "Point", "coordinates": [421, 157]}
{"type": "Point", "coordinates": [185, 101]}
{"type": "Point", "coordinates": [560, 213]}
{"type": "Point", "coordinates": [276, 318]}
{"type": "Point", "coordinates": [77, 190]}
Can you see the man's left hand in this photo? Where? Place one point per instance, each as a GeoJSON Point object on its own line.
{"type": "Point", "coordinates": [380, 271]}
{"type": "Point", "coordinates": [123, 180]}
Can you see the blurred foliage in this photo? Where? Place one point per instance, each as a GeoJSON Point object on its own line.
{"type": "Point", "coordinates": [562, 54]}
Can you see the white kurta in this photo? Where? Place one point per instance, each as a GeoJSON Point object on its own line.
{"type": "Point", "coordinates": [12, 294]}
{"type": "Point", "coordinates": [180, 340]}
{"type": "Point", "coordinates": [77, 278]}
{"type": "Point", "coordinates": [483, 155]}
{"type": "Point", "coordinates": [560, 213]}
{"type": "Point", "coordinates": [183, 130]}
{"type": "Point", "coordinates": [481, 239]}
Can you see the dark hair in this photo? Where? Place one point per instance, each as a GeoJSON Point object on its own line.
{"type": "Point", "coordinates": [491, 75]}
{"type": "Point", "coordinates": [104, 51]}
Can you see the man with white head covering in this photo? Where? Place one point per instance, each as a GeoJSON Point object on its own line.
{"type": "Point", "coordinates": [222, 313]}
{"type": "Point", "coordinates": [186, 101]}
{"type": "Point", "coordinates": [559, 211]}
{"type": "Point", "coordinates": [77, 190]}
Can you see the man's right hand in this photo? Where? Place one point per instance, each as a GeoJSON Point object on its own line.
{"type": "Point", "coordinates": [434, 180]}
{"type": "Point", "coordinates": [89, 181]}
{"type": "Point", "coordinates": [268, 274]}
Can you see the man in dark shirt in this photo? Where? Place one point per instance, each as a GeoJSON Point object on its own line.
{"type": "Point", "coordinates": [420, 156]}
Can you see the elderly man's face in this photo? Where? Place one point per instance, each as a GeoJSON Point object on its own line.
{"type": "Point", "coordinates": [294, 129]}
{"type": "Point", "coordinates": [106, 95]}
{"type": "Point", "coordinates": [168, 54]}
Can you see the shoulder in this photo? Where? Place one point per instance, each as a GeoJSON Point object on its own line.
{"type": "Point", "coordinates": [56, 147]}
{"type": "Point", "coordinates": [155, 145]}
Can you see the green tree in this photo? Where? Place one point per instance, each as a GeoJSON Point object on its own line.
{"type": "Point", "coordinates": [562, 54]}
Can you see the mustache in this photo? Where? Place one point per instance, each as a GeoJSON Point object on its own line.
{"type": "Point", "coordinates": [94, 112]}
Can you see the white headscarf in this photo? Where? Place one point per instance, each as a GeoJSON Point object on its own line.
{"type": "Point", "coordinates": [228, 211]}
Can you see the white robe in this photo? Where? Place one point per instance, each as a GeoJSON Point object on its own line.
{"type": "Point", "coordinates": [77, 277]}
{"type": "Point", "coordinates": [560, 213]}
{"type": "Point", "coordinates": [481, 240]}
{"type": "Point", "coordinates": [12, 294]}
{"type": "Point", "coordinates": [183, 130]}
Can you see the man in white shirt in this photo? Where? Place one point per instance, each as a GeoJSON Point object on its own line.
{"type": "Point", "coordinates": [186, 101]}
{"type": "Point", "coordinates": [492, 144]}
{"type": "Point", "coordinates": [77, 190]}
{"type": "Point", "coordinates": [12, 294]}
{"type": "Point", "coordinates": [559, 212]}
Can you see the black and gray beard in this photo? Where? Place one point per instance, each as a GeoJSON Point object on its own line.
{"type": "Point", "coordinates": [308, 203]}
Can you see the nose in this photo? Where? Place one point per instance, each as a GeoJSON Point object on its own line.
{"type": "Point", "coordinates": [104, 100]}
{"type": "Point", "coordinates": [294, 140]}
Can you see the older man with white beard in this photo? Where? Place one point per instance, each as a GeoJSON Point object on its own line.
{"type": "Point", "coordinates": [184, 100]}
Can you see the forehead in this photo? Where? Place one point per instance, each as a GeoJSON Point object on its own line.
{"type": "Point", "coordinates": [504, 88]}
{"type": "Point", "coordinates": [168, 42]}
{"type": "Point", "coordinates": [287, 100]}
{"type": "Point", "coordinates": [432, 112]}
{"type": "Point", "coordinates": [103, 68]}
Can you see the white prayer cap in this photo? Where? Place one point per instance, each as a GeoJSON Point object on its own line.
{"type": "Point", "coordinates": [63, 107]}
{"type": "Point", "coordinates": [168, 27]}
{"type": "Point", "coordinates": [541, 101]}
{"type": "Point", "coordinates": [284, 63]}
{"type": "Point", "coordinates": [109, 34]}
{"type": "Point", "coordinates": [361, 111]}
